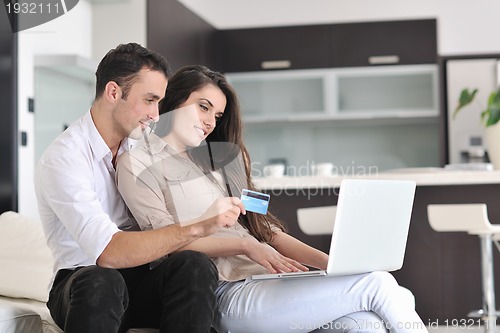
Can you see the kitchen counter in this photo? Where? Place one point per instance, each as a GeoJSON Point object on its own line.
{"type": "Point", "coordinates": [442, 269]}
{"type": "Point", "coordinates": [422, 176]}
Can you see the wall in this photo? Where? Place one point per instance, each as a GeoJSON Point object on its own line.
{"type": "Point", "coordinates": [8, 125]}
{"type": "Point", "coordinates": [87, 31]}
{"type": "Point", "coordinates": [115, 22]}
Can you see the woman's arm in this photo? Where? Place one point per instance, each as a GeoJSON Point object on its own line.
{"type": "Point", "coordinates": [261, 253]}
{"type": "Point", "coordinates": [299, 251]}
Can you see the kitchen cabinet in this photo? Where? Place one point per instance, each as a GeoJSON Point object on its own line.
{"type": "Point", "coordinates": [363, 93]}
{"type": "Point", "coordinates": [383, 43]}
{"type": "Point", "coordinates": [259, 49]}
{"type": "Point", "coordinates": [357, 118]}
{"type": "Point", "coordinates": [180, 35]}
{"type": "Point", "coordinates": [385, 92]}
{"type": "Point", "coordinates": [292, 95]}
{"type": "Point", "coordinates": [321, 46]}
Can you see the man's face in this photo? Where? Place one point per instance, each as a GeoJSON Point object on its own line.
{"type": "Point", "coordinates": [135, 113]}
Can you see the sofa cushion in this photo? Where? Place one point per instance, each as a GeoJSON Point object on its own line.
{"type": "Point", "coordinates": [14, 319]}
{"type": "Point", "coordinates": [25, 259]}
{"type": "Point", "coordinates": [9, 305]}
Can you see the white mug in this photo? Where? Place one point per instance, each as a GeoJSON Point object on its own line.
{"type": "Point", "coordinates": [322, 169]}
{"type": "Point", "coordinates": [274, 170]}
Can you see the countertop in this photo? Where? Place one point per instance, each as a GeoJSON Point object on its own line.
{"type": "Point", "coordinates": [422, 176]}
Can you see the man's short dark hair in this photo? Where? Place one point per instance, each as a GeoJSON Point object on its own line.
{"type": "Point", "coordinates": [123, 63]}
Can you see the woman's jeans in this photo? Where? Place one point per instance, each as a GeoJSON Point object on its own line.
{"type": "Point", "coordinates": [313, 303]}
{"type": "Point", "coordinates": [176, 296]}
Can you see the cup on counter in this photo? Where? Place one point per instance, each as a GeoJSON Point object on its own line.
{"type": "Point", "coordinates": [274, 170]}
{"type": "Point", "coordinates": [322, 169]}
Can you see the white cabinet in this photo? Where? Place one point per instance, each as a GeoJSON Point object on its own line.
{"type": "Point", "coordinates": [338, 94]}
{"type": "Point", "coordinates": [363, 118]}
{"type": "Point", "coordinates": [395, 91]}
{"type": "Point", "coordinates": [287, 95]}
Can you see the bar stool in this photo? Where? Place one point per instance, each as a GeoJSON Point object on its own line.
{"type": "Point", "coordinates": [473, 219]}
{"type": "Point", "coordinates": [316, 221]}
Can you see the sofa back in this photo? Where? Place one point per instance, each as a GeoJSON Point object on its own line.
{"type": "Point", "coordinates": [25, 259]}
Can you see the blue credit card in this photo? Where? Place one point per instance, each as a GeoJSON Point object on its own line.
{"type": "Point", "coordinates": [255, 201]}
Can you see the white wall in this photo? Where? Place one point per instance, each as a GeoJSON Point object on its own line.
{"type": "Point", "coordinates": [89, 30]}
{"type": "Point", "coordinates": [67, 34]}
{"type": "Point", "coordinates": [117, 22]}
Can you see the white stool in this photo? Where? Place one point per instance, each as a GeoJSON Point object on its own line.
{"type": "Point", "coordinates": [473, 219]}
{"type": "Point", "coordinates": [316, 221]}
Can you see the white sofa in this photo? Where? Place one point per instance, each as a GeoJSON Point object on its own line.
{"type": "Point", "coordinates": [26, 270]}
{"type": "Point", "coordinates": [25, 273]}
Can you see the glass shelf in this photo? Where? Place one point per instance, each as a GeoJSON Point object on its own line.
{"type": "Point", "coordinates": [337, 94]}
{"type": "Point", "coordinates": [400, 90]}
{"type": "Point", "coordinates": [281, 95]}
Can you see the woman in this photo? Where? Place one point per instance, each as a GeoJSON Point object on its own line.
{"type": "Point", "coordinates": [201, 158]}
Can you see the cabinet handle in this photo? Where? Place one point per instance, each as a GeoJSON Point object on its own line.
{"type": "Point", "coordinates": [383, 60]}
{"type": "Point", "coordinates": [276, 64]}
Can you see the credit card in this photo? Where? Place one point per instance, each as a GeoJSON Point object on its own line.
{"type": "Point", "coordinates": [255, 201]}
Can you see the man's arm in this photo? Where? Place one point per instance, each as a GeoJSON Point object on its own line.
{"type": "Point", "coordinates": [133, 248]}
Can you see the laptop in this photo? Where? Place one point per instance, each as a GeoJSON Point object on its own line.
{"type": "Point", "coordinates": [370, 231]}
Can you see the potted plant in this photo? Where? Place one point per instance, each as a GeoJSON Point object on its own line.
{"type": "Point", "coordinates": [490, 118]}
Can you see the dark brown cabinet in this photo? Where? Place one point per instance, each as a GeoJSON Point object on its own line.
{"type": "Point", "coordinates": [382, 43]}
{"type": "Point", "coordinates": [322, 46]}
{"type": "Point", "coordinates": [184, 38]}
{"type": "Point", "coordinates": [178, 34]}
{"type": "Point", "coordinates": [242, 50]}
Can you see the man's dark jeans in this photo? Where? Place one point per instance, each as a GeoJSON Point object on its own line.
{"type": "Point", "coordinates": [176, 296]}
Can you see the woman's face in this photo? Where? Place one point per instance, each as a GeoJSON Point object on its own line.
{"type": "Point", "coordinates": [197, 117]}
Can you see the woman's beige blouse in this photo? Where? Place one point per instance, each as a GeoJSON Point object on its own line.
{"type": "Point", "coordinates": [162, 188]}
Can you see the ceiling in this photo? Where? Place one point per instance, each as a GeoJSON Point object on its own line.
{"type": "Point", "coordinates": [228, 14]}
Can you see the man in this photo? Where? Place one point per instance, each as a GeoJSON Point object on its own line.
{"type": "Point", "coordinates": [103, 281]}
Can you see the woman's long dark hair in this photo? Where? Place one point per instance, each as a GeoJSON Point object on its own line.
{"type": "Point", "coordinates": [228, 130]}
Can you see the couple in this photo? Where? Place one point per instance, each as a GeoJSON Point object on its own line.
{"type": "Point", "coordinates": [180, 262]}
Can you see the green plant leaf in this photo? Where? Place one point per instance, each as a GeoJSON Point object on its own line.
{"type": "Point", "coordinates": [466, 97]}
{"type": "Point", "coordinates": [491, 115]}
